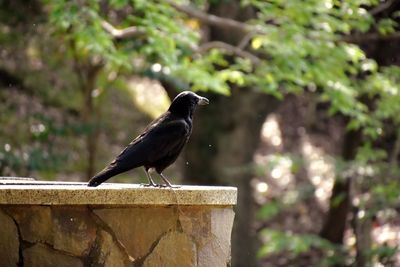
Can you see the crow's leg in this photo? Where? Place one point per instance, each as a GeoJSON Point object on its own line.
{"type": "Point", "coordinates": [151, 182]}
{"type": "Point", "coordinates": [167, 183]}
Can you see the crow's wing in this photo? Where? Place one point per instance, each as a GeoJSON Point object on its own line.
{"type": "Point", "coordinates": [164, 138]}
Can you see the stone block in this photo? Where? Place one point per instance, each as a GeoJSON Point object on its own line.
{"type": "Point", "coordinates": [109, 253]}
{"type": "Point", "coordinates": [74, 229]}
{"type": "Point", "coordinates": [138, 228]}
{"type": "Point", "coordinates": [196, 222]}
{"type": "Point", "coordinates": [221, 229]}
{"type": "Point", "coordinates": [174, 249]}
{"type": "Point", "coordinates": [9, 241]}
{"type": "Point", "coordinates": [211, 229]}
{"type": "Point", "coordinates": [212, 254]}
{"type": "Point", "coordinates": [41, 255]}
{"type": "Point", "coordinates": [35, 223]}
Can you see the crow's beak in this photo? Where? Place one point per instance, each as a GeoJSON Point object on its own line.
{"type": "Point", "coordinates": [203, 101]}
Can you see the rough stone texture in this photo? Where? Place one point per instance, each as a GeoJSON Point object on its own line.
{"type": "Point", "coordinates": [221, 229]}
{"type": "Point", "coordinates": [41, 255]}
{"type": "Point", "coordinates": [63, 193]}
{"type": "Point", "coordinates": [9, 242]}
{"type": "Point", "coordinates": [211, 229]}
{"type": "Point", "coordinates": [196, 222]}
{"type": "Point", "coordinates": [110, 254]}
{"type": "Point", "coordinates": [138, 228]}
{"type": "Point", "coordinates": [34, 223]}
{"type": "Point", "coordinates": [114, 225]}
{"type": "Point", "coordinates": [74, 230]}
{"type": "Point", "coordinates": [212, 254]}
{"type": "Point", "coordinates": [173, 250]}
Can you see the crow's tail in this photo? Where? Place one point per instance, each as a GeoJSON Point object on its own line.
{"type": "Point", "coordinates": [103, 176]}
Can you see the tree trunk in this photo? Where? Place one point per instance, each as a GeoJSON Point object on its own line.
{"type": "Point", "coordinates": [220, 152]}
{"type": "Point", "coordinates": [339, 204]}
{"type": "Point", "coordinates": [362, 230]}
{"type": "Point", "coordinates": [89, 116]}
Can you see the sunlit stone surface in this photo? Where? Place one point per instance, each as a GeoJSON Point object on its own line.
{"type": "Point", "coordinates": [69, 224]}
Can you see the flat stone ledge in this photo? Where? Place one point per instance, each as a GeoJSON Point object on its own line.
{"type": "Point", "coordinates": [30, 192]}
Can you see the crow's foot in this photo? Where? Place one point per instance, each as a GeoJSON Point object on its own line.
{"type": "Point", "coordinates": [150, 185]}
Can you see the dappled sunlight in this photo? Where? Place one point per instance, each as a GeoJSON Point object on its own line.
{"type": "Point", "coordinates": [275, 166]}
{"type": "Point", "coordinates": [318, 164]}
{"type": "Point", "coordinates": [281, 170]}
{"type": "Point", "coordinates": [148, 95]}
{"type": "Point", "coordinates": [262, 187]}
{"type": "Point", "coordinates": [276, 189]}
{"type": "Point", "coordinates": [320, 169]}
{"type": "Point", "coordinates": [278, 172]}
{"type": "Point", "coordinates": [261, 190]}
{"type": "Point", "coordinates": [387, 234]}
{"type": "Point", "coordinates": [270, 132]}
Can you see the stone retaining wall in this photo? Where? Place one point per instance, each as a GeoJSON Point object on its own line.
{"type": "Point", "coordinates": [104, 234]}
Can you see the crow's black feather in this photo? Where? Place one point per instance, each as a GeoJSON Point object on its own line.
{"type": "Point", "coordinates": [161, 142]}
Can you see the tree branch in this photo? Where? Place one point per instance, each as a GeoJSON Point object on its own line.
{"type": "Point", "coordinates": [211, 19]}
{"type": "Point", "coordinates": [128, 32]}
{"type": "Point", "coordinates": [134, 31]}
{"type": "Point", "coordinates": [246, 39]}
{"type": "Point", "coordinates": [223, 22]}
{"type": "Point", "coordinates": [360, 38]}
{"type": "Point", "coordinates": [382, 7]}
{"type": "Point", "coordinates": [229, 49]}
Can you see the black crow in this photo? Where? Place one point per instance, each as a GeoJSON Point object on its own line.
{"type": "Point", "coordinates": [160, 143]}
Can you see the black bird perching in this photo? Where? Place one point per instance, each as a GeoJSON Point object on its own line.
{"type": "Point", "coordinates": [160, 144]}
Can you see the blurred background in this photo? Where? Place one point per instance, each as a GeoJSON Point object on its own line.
{"type": "Point", "coordinates": [304, 115]}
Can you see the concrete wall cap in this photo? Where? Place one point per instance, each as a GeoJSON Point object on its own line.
{"type": "Point", "coordinates": [31, 192]}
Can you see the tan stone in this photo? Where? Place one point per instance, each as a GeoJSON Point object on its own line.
{"type": "Point", "coordinates": [110, 253]}
{"type": "Point", "coordinates": [138, 228]}
{"type": "Point", "coordinates": [173, 250]}
{"type": "Point", "coordinates": [196, 222]}
{"type": "Point", "coordinates": [74, 230]}
{"type": "Point", "coordinates": [41, 255]}
{"type": "Point", "coordinates": [212, 254]}
{"type": "Point", "coordinates": [9, 241]}
{"type": "Point", "coordinates": [211, 229]}
{"type": "Point", "coordinates": [221, 228]}
{"type": "Point", "coordinates": [34, 223]}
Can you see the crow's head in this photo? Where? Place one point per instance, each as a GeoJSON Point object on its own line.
{"type": "Point", "coordinates": [186, 102]}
